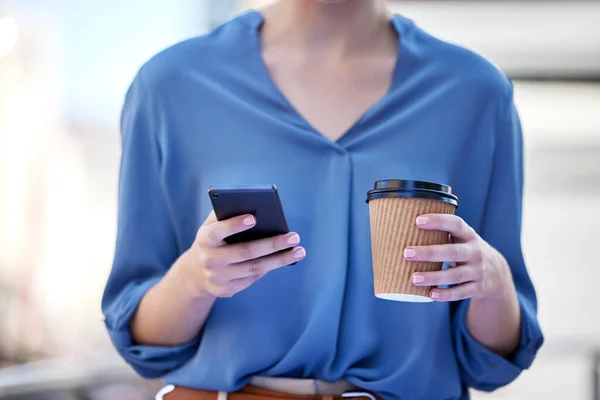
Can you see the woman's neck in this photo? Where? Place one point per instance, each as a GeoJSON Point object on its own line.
{"type": "Point", "coordinates": [336, 28]}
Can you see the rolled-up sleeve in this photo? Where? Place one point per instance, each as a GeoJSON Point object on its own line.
{"type": "Point", "coordinates": [146, 243]}
{"type": "Point", "coordinates": [481, 368]}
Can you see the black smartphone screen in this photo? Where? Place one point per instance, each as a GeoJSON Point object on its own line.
{"type": "Point", "coordinates": [261, 201]}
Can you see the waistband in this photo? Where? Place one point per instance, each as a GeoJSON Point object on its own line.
{"type": "Point", "coordinates": [302, 386]}
{"type": "Point", "coordinates": [273, 389]}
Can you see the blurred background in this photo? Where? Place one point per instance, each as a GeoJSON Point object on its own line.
{"type": "Point", "coordinates": [64, 69]}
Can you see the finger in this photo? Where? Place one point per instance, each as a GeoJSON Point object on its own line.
{"type": "Point", "coordinates": [240, 252]}
{"type": "Point", "coordinates": [450, 223]}
{"type": "Point", "coordinates": [233, 287]}
{"type": "Point", "coordinates": [457, 252]}
{"type": "Point", "coordinates": [214, 234]}
{"type": "Point", "coordinates": [211, 219]}
{"type": "Point", "coordinates": [266, 264]}
{"type": "Point", "coordinates": [238, 285]}
{"type": "Point", "coordinates": [460, 292]}
{"type": "Point", "coordinates": [450, 276]}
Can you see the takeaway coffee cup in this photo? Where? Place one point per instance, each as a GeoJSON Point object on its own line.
{"type": "Point", "coordinates": [394, 206]}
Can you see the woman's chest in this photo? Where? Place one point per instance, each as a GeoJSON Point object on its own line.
{"type": "Point", "coordinates": [241, 143]}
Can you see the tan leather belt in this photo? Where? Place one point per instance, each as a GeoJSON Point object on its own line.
{"type": "Point", "coordinates": [255, 393]}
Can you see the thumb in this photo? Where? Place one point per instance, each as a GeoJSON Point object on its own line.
{"type": "Point", "coordinates": [211, 219]}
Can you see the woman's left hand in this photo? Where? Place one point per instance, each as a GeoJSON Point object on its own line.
{"type": "Point", "coordinates": [480, 271]}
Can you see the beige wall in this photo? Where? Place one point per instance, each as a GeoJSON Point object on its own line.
{"type": "Point", "coordinates": [244, 4]}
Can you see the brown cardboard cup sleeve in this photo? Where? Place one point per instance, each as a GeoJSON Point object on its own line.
{"type": "Point", "coordinates": [394, 206]}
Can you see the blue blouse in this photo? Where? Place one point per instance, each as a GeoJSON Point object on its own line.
{"type": "Point", "coordinates": [206, 112]}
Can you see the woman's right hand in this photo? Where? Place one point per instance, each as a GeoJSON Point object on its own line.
{"type": "Point", "coordinates": [218, 269]}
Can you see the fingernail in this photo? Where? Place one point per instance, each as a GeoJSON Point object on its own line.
{"type": "Point", "coordinates": [422, 221]}
{"type": "Point", "coordinates": [249, 220]}
{"type": "Point", "coordinates": [434, 295]}
{"type": "Point", "coordinates": [418, 278]}
{"type": "Point", "coordinates": [294, 239]}
{"type": "Point", "coordinates": [410, 253]}
{"type": "Point", "coordinates": [300, 253]}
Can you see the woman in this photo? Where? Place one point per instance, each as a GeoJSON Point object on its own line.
{"type": "Point", "coordinates": [321, 98]}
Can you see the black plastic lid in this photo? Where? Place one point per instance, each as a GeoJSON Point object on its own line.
{"type": "Point", "coordinates": [412, 189]}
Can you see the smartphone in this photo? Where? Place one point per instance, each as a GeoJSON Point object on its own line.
{"type": "Point", "coordinates": [261, 201]}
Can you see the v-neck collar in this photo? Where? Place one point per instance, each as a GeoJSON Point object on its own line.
{"type": "Point", "coordinates": [400, 24]}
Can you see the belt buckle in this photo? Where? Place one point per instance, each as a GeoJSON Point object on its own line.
{"type": "Point", "coordinates": [351, 394]}
{"type": "Point", "coordinates": [171, 388]}
{"type": "Point", "coordinates": [164, 391]}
